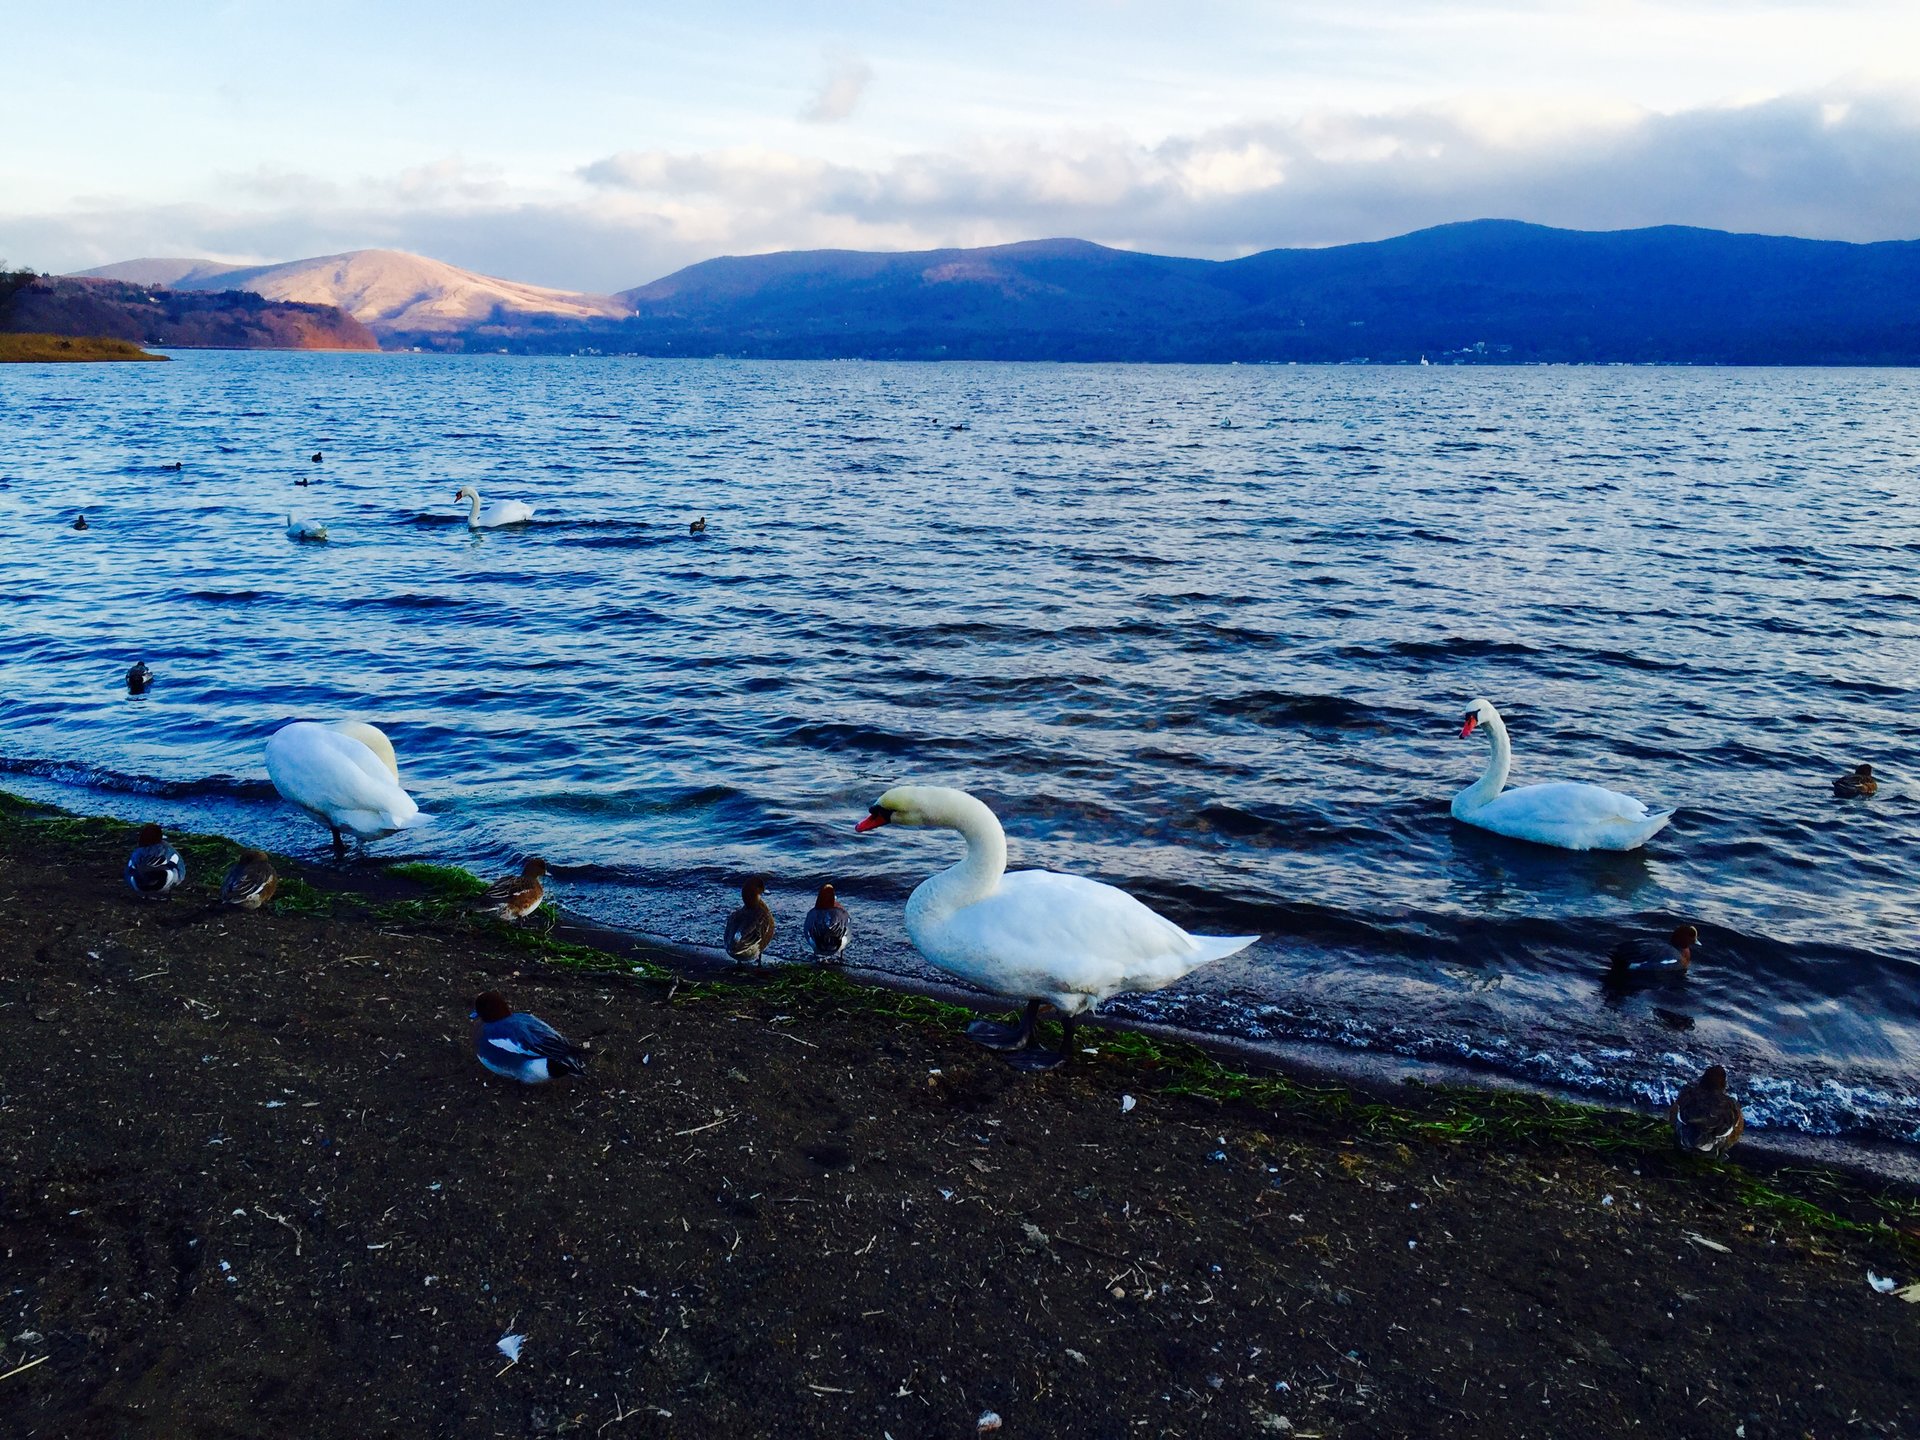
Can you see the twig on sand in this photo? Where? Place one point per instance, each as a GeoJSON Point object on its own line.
{"type": "Point", "coordinates": [708, 1126]}
{"type": "Point", "coordinates": [28, 1366]}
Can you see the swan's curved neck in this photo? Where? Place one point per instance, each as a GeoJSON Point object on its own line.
{"type": "Point", "coordinates": [978, 874]}
{"type": "Point", "coordinates": [473, 507]}
{"type": "Point", "coordinates": [1499, 762]}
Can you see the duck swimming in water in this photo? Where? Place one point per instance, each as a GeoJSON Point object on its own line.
{"type": "Point", "coordinates": [519, 1046]}
{"type": "Point", "coordinates": [1857, 786]}
{"type": "Point", "coordinates": [826, 926]}
{"type": "Point", "coordinates": [750, 928]}
{"type": "Point", "coordinates": [79, 522]}
{"type": "Point", "coordinates": [515, 897]}
{"type": "Point", "coordinates": [139, 677]}
{"type": "Point", "coordinates": [154, 867]}
{"type": "Point", "coordinates": [250, 883]}
{"type": "Point", "coordinates": [1643, 957]}
{"type": "Point", "coordinates": [1707, 1120]}
{"type": "Point", "coordinates": [698, 527]}
{"type": "Point", "coordinates": [1050, 939]}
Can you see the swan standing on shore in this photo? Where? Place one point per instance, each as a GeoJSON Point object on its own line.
{"type": "Point", "coordinates": [345, 776]}
{"type": "Point", "coordinates": [1563, 813]}
{"type": "Point", "coordinates": [1050, 939]}
{"type": "Point", "coordinates": [501, 512]}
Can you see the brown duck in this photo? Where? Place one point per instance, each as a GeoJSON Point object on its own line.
{"type": "Point", "coordinates": [517, 896]}
{"type": "Point", "coordinates": [250, 883]}
{"type": "Point", "coordinates": [750, 928]}
{"type": "Point", "coordinates": [1642, 956]}
{"type": "Point", "coordinates": [1857, 786]}
{"type": "Point", "coordinates": [1707, 1120]}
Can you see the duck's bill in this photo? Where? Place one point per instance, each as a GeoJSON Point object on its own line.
{"type": "Point", "coordinates": [876, 817]}
{"type": "Point", "coordinates": [1467, 729]}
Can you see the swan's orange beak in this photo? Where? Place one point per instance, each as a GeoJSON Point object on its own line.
{"type": "Point", "coordinates": [876, 817]}
{"type": "Point", "coordinates": [1467, 729]}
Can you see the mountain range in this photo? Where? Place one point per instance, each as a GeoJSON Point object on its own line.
{"type": "Point", "coordinates": [1474, 292]}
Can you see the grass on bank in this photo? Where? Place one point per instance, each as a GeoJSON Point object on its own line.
{"type": "Point", "coordinates": [1456, 1115]}
{"type": "Point", "coordinates": [43, 349]}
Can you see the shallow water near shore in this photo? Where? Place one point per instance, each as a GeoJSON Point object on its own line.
{"type": "Point", "coordinates": [1206, 633]}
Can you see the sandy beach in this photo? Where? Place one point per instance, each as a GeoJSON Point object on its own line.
{"type": "Point", "coordinates": [256, 1185]}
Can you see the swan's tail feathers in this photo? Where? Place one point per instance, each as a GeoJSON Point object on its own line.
{"type": "Point", "coordinates": [1218, 947]}
{"type": "Point", "coordinates": [414, 821]}
{"type": "Point", "coordinates": [1655, 822]}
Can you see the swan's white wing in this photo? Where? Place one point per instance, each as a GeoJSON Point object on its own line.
{"type": "Point", "coordinates": [1566, 802]}
{"type": "Point", "coordinates": [1065, 939]}
{"type": "Point", "coordinates": [337, 778]}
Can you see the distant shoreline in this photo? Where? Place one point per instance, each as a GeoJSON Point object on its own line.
{"type": "Point", "coordinates": [36, 349]}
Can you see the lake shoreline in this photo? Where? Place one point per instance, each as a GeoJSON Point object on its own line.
{"type": "Point", "coordinates": [254, 1164]}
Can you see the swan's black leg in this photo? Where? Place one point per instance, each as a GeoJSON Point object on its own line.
{"type": "Point", "coordinates": [339, 844]}
{"type": "Point", "coordinates": [1005, 1037]}
{"type": "Point", "coordinates": [1036, 1057]}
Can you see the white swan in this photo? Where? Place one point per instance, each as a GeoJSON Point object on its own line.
{"type": "Point", "coordinates": [501, 512]}
{"type": "Point", "coordinates": [1563, 813]}
{"type": "Point", "coordinates": [343, 775]}
{"type": "Point", "coordinates": [1033, 934]}
{"type": "Point", "coordinates": [305, 529]}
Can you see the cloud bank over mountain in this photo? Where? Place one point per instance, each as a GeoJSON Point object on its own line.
{"type": "Point", "coordinates": [1833, 163]}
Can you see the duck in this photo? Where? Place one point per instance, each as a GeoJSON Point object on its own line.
{"type": "Point", "coordinates": [501, 512]}
{"type": "Point", "coordinates": [176, 465]}
{"type": "Point", "coordinates": [1561, 813]}
{"type": "Point", "coordinates": [345, 776]}
{"type": "Point", "coordinates": [520, 1046]}
{"type": "Point", "coordinates": [1642, 957]}
{"type": "Point", "coordinates": [698, 527]}
{"type": "Point", "coordinates": [303, 480]}
{"type": "Point", "coordinates": [139, 677]}
{"type": "Point", "coordinates": [826, 926]}
{"type": "Point", "coordinates": [515, 897]}
{"type": "Point", "coordinates": [1857, 786]}
{"type": "Point", "coordinates": [1706, 1119]}
{"type": "Point", "coordinates": [750, 928]}
{"type": "Point", "coordinates": [250, 881]}
{"type": "Point", "coordinates": [155, 867]}
{"type": "Point", "coordinates": [305, 529]}
{"type": "Point", "coordinates": [1046, 938]}
{"type": "Point", "coordinates": [79, 522]}
{"type": "Point", "coordinates": [317, 457]}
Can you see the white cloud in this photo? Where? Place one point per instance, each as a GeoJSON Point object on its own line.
{"type": "Point", "coordinates": [1835, 163]}
{"type": "Point", "coordinates": [840, 91]}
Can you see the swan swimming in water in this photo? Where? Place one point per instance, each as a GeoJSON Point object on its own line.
{"type": "Point", "coordinates": [305, 529]}
{"type": "Point", "coordinates": [501, 512]}
{"type": "Point", "coordinates": [345, 776]}
{"type": "Point", "coordinates": [1034, 935]}
{"type": "Point", "coordinates": [1562, 813]}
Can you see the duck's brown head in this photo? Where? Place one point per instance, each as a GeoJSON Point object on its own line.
{"type": "Point", "coordinates": [534, 868]}
{"type": "Point", "coordinates": [150, 835]}
{"type": "Point", "coordinates": [492, 1006]}
{"type": "Point", "coordinates": [1715, 1079]}
{"type": "Point", "coordinates": [1863, 772]}
{"type": "Point", "coordinates": [1685, 938]}
{"type": "Point", "coordinates": [752, 888]}
{"type": "Point", "coordinates": [824, 900]}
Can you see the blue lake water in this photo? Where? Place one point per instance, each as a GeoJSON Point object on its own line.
{"type": "Point", "coordinates": [1206, 633]}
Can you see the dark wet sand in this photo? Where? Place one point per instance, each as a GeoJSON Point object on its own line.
{"type": "Point", "coordinates": [255, 1185]}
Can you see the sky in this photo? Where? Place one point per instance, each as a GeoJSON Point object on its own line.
{"type": "Point", "coordinates": [596, 145]}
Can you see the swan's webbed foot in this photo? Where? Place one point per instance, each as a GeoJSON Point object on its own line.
{"type": "Point", "coordinates": [995, 1036]}
{"type": "Point", "coordinates": [1035, 1059]}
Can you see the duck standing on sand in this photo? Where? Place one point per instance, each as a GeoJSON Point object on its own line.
{"type": "Point", "coordinates": [1857, 786]}
{"type": "Point", "coordinates": [1563, 813]}
{"type": "Point", "coordinates": [826, 927]}
{"type": "Point", "coordinates": [515, 897]}
{"type": "Point", "coordinates": [250, 883]}
{"type": "Point", "coordinates": [154, 867]}
{"type": "Point", "coordinates": [1707, 1120]}
{"type": "Point", "coordinates": [750, 928]}
{"type": "Point", "coordinates": [1050, 939]}
{"type": "Point", "coordinates": [1644, 957]}
{"type": "Point", "coordinates": [519, 1046]}
{"type": "Point", "coordinates": [139, 677]}
{"type": "Point", "coordinates": [345, 775]}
